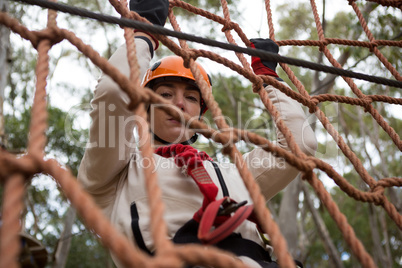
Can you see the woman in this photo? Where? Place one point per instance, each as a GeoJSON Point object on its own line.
{"type": "Point", "coordinates": [112, 168]}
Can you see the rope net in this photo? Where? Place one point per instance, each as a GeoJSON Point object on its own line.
{"type": "Point", "coordinates": [15, 171]}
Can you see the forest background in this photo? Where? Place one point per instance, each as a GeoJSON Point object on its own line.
{"type": "Point", "coordinates": [312, 235]}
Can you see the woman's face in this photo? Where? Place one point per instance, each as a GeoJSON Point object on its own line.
{"type": "Point", "coordinates": [182, 95]}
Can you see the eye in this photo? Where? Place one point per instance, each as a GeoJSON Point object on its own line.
{"type": "Point", "coordinates": [192, 98]}
{"type": "Point", "coordinates": [166, 95]}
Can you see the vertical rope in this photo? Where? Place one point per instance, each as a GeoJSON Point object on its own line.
{"type": "Point", "coordinates": [132, 55]}
{"type": "Point", "coordinates": [269, 226]}
{"type": "Point", "coordinates": [51, 17]}
{"type": "Point", "coordinates": [284, 66]}
{"type": "Point", "coordinates": [229, 36]}
{"type": "Point", "coordinates": [267, 102]}
{"type": "Point", "coordinates": [10, 244]}
{"type": "Point", "coordinates": [158, 224]}
{"type": "Point", "coordinates": [38, 126]}
{"type": "Point", "coordinates": [348, 234]}
{"type": "Point", "coordinates": [269, 19]}
{"type": "Point", "coordinates": [159, 228]}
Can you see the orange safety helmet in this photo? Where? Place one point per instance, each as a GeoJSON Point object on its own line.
{"type": "Point", "coordinates": [172, 68]}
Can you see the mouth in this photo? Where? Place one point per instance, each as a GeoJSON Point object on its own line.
{"type": "Point", "coordinates": [172, 120]}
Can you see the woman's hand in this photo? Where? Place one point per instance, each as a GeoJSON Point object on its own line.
{"type": "Point", "coordinates": [156, 11]}
{"type": "Point", "coordinates": [264, 67]}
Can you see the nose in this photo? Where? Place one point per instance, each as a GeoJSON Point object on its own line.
{"type": "Point", "coordinates": [179, 101]}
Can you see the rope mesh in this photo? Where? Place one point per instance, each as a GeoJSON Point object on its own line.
{"type": "Point", "coordinates": [14, 170]}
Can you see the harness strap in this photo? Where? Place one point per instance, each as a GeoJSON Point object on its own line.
{"type": "Point", "coordinates": [208, 215]}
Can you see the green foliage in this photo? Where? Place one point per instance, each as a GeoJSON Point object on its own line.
{"type": "Point", "coordinates": [241, 108]}
{"type": "Point", "coordinates": [234, 99]}
{"type": "Point", "coordinates": [85, 241]}
{"type": "Point", "coordinates": [296, 21]}
{"type": "Point", "coordinates": [60, 139]}
{"type": "Point", "coordinates": [22, 69]}
{"type": "Point", "coordinates": [389, 21]}
{"type": "Point", "coordinates": [340, 25]}
{"type": "Point", "coordinates": [16, 129]}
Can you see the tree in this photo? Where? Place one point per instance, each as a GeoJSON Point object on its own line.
{"type": "Point", "coordinates": [45, 204]}
{"type": "Point", "coordinates": [4, 66]}
{"type": "Point", "coordinates": [297, 24]}
{"type": "Point", "coordinates": [47, 221]}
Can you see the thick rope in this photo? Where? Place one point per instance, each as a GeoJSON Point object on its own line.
{"type": "Point", "coordinates": [38, 126]}
{"type": "Point", "coordinates": [158, 224]}
{"type": "Point", "coordinates": [13, 170]}
{"type": "Point", "coordinates": [254, 52]}
{"type": "Point", "coordinates": [10, 244]}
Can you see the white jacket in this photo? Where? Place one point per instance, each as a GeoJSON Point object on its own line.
{"type": "Point", "coordinates": [112, 167]}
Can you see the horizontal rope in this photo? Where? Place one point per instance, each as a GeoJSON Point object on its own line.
{"type": "Point", "coordinates": [155, 29]}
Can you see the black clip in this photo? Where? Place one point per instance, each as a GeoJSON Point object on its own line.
{"type": "Point", "coordinates": [227, 207]}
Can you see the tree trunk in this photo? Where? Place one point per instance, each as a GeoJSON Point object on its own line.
{"type": "Point", "coordinates": [63, 246]}
{"type": "Point", "coordinates": [4, 67]}
{"type": "Point", "coordinates": [288, 216]}
{"type": "Point", "coordinates": [387, 256]}
{"type": "Point", "coordinates": [334, 259]}
{"type": "Point", "coordinates": [378, 253]}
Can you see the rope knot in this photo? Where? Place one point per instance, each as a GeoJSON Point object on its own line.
{"type": "Point", "coordinates": [187, 56]}
{"type": "Point", "coordinates": [314, 101]}
{"type": "Point", "coordinates": [378, 194]}
{"type": "Point", "coordinates": [257, 81]}
{"type": "Point", "coordinates": [378, 189]}
{"type": "Point", "coordinates": [228, 26]}
{"type": "Point", "coordinates": [373, 45]}
{"type": "Point", "coordinates": [258, 86]}
{"type": "Point", "coordinates": [323, 45]}
{"type": "Point", "coordinates": [136, 98]}
{"type": "Point", "coordinates": [51, 33]}
{"type": "Point", "coordinates": [308, 164]}
{"type": "Point", "coordinates": [367, 101]}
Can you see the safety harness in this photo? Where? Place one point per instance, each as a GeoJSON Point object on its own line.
{"type": "Point", "coordinates": [215, 222]}
{"type": "Point", "coordinates": [215, 217]}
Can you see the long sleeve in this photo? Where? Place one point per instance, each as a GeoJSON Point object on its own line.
{"type": "Point", "coordinates": [274, 173]}
{"type": "Point", "coordinates": [111, 136]}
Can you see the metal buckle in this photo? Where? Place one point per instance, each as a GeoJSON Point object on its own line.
{"type": "Point", "coordinates": [228, 206]}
